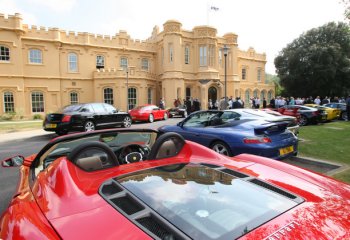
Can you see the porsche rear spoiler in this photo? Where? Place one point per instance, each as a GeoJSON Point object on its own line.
{"type": "Point", "coordinates": [271, 128]}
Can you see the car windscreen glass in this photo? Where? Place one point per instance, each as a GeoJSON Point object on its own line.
{"type": "Point", "coordinates": [206, 203]}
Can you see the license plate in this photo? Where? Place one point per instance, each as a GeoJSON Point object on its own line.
{"type": "Point", "coordinates": [51, 125]}
{"type": "Point", "coordinates": [286, 150]}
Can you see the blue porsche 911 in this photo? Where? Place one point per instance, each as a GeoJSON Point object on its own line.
{"type": "Point", "coordinates": [229, 135]}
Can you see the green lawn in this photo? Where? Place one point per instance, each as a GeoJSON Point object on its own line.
{"type": "Point", "coordinates": [8, 126]}
{"type": "Point", "coordinates": [329, 141]}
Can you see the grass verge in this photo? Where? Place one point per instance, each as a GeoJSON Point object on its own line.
{"type": "Point", "coordinates": [329, 141]}
{"type": "Point", "coordinates": [7, 127]}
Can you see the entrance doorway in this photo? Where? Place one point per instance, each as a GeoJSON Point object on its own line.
{"type": "Point", "coordinates": [212, 95]}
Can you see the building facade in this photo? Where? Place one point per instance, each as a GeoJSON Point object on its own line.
{"type": "Point", "coordinates": [43, 69]}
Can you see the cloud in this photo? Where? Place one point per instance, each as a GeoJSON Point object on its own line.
{"type": "Point", "coordinates": [57, 5]}
{"type": "Point", "coordinates": [10, 7]}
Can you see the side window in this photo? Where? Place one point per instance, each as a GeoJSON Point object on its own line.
{"type": "Point", "coordinates": [199, 119]}
{"type": "Point", "coordinates": [35, 56]}
{"type": "Point", "coordinates": [98, 108]}
{"type": "Point", "coordinates": [100, 61]}
{"type": "Point", "coordinates": [109, 108]}
{"type": "Point", "coordinates": [4, 53]}
{"type": "Point", "coordinates": [72, 62]}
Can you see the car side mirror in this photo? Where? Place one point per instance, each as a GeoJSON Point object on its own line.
{"type": "Point", "coordinates": [15, 161]}
{"type": "Point", "coordinates": [180, 124]}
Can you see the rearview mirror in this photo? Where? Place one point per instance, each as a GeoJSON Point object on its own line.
{"type": "Point", "coordinates": [15, 161]}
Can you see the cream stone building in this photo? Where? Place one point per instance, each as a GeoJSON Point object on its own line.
{"type": "Point", "coordinates": [43, 69]}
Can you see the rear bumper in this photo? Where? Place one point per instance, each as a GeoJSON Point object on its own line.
{"type": "Point", "coordinates": [57, 127]}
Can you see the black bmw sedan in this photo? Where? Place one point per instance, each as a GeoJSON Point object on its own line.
{"type": "Point", "coordinates": [85, 117]}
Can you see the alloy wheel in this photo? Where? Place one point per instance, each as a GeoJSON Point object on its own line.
{"type": "Point", "coordinates": [127, 122]}
{"type": "Point", "coordinates": [221, 148]}
{"type": "Point", "coordinates": [89, 126]}
{"type": "Point", "coordinates": [151, 118]}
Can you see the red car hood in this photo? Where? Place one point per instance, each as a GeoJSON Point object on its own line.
{"type": "Point", "coordinates": [77, 211]}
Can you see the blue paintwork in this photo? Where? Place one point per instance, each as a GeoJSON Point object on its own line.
{"type": "Point", "coordinates": [233, 133]}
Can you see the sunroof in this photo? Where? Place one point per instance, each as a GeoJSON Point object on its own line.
{"type": "Point", "coordinates": [206, 202]}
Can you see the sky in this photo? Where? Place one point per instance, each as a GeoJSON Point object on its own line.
{"type": "Point", "coordinates": [266, 25]}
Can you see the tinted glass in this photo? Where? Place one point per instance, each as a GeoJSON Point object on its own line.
{"type": "Point", "coordinates": [98, 108]}
{"type": "Point", "coordinates": [109, 108]}
{"type": "Point", "coordinates": [206, 203]}
{"type": "Point", "coordinates": [72, 108]}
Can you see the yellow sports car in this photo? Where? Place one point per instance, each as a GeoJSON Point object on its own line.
{"type": "Point", "coordinates": [332, 113]}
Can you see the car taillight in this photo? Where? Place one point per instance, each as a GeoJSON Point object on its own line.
{"type": "Point", "coordinates": [256, 140]}
{"type": "Point", "coordinates": [66, 118]}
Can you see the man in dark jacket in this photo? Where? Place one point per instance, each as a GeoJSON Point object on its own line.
{"type": "Point", "coordinates": [348, 107]}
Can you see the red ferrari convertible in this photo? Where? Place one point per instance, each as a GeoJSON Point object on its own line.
{"type": "Point", "coordinates": [148, 113]}
{"type": "Point", "coordinates": [135, 184]}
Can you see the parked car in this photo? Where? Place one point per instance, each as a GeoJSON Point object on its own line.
{"type": "Point", "coordinates": [221, 131]}
{"type": "Point", "coordinates": [341, 107]}
{"type": "Point", "coordinates": [332, 113]}
{"type": "Point", "coordinates": [178, 111]}
{"type": "Point", "coordinates": [267, 115]}
{"type": "Point", "coordinates": [85, 117]}
{"type": "Point", "coordinates": [81, 187]}
{"type": "Point", "coordinates": [308, 115]}
{"type": "Point", "coordinates": [148, 113]}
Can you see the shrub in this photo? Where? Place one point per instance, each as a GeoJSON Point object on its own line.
{"type": "Point", "coordinates": [37, 116]}
{"type": "Point", "coordinates": [8, 116]}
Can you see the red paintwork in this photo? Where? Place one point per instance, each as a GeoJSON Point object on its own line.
{"type": "Point", "coordinates": [67, 198]}
{"type": "Point", "coordinates": [142, 113]}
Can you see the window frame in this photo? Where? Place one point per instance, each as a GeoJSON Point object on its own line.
{"type": "Point", "coordinates": [259, 72]}
{"type": "Point", "coordinates": [101, 64]}
{"type": "Point", "coordinates": [132, 97]}
{"type": "Point", "coordinates": [187, 54]}
{"type": "Point", "coordinates": [5, 53]}
{"type": "Point", "coordinates": [35, 56]}
{"type": "Point", "coordinates": [9, 102]}
{"type": "Point", "coordinates": [145, 64]}
{"type": "Point", "coordinates": [244, 73]}
{"type": "Point", "coordinates": [203, 54]}
{"type": "Point", "coordinates": [124, 62]}
{"type": "Point", "coordinates": [73, 95]}
{"type": "Point", "coordinates": [108, 95]}
{"type": "Point", "coordinates": [149, 95]}
{"type": "Point", "coordinates": [40, 108]}
{"type": "Point", "coordinates": [72, 62]}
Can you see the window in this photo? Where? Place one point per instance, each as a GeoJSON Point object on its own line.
{"type": "Point", "coordinates": [100, 61]}
{"type": "Point", "coordinates": [255, 93]}
{"type": "Point", "coordinates": [187, 55]}
{"type": "Point", "coordinates": [269, 96]}
{"type": "Point", "coordinates": [37, 102]}
{"type": "Point", "coordinates": [244, 73]}
{"type": "Point", "coordinates": [74, 98]}
{"type": "Point", "coordinates": [203, 55]}
{"type": "Point", "coordinates": [132, 98]}
{"type": "Point", "coordinates": [124, 62]}
{"type": "Point", "coordinates": [171, 53]}
{"type": "Point", "coordinates": [211, 55]}
{"type": "Point", "coordinates": [162, 53]}
{"type": "Point", "coordinates": [35, 56]}
{"type": "Point", "coordinates": [144, 64]}
{"type": "Point", "coordinates": [73, 62]}
{"type": "Point", "coordinates": [4, 53]}
{"type": "Point", "coordinates": [259, 75]}
{"type": "Point", "coordinates": [188, 93]}
{"type": "Point", "coordinates": [149, 95]}
{"type": "Point", "coordinates": [108, 96]}
{"type": "Point", "coordinates": [9, 105]}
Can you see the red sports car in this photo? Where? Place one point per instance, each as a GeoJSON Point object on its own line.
{"type": "Point", "coordinates": [148, 113]}
{"type": "Point", "coordinates": [135, 184]}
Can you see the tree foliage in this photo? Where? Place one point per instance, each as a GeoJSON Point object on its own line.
{"type": "Point", "coordinates": [347, 9]}
{"type": "Point", "coordinates": [317, 63]}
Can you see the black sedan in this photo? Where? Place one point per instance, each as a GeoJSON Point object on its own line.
{"type": "Point", "coordinates": [178, 111]}
{"type": "Point", "coordinates": [85, 117]}
{"type": "Point", "coordinates": [341, 106]}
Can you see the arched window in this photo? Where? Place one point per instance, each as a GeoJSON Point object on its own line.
{"type": "Point", "coordinates": [37, 102]}
{"type": "Point", "coordinates": [4, 53]}
{"type": "Point", "coordinates": [149, 95]}
{"type": "Point", "coordinates": [108, 96]}
{"type": "Point", "coordinates": [35, 56]}
{"type": "Point", "coordinates": [247, 97]}
{"type": "Point", "coordinates": [74, 98]}
{"type": "Point", "coordinates": [132, 97]}
{"type": "Point", "coordinates": [262, 95]}
{"type": "Point", "coordinates": [9, 104]}
{"type": "Point", "coordinates": [187, 55]}
{"type": "Point", "coordinates": [72, 62]}
{"type": "Point", "coordinates": [100, 61]}
{"type": "Point", "coordinates": [255, 94]}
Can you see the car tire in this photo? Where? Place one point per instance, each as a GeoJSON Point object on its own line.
{"type": "Point", "coordinates": [303, 120]}
{"type": "Point", "coordinates": [89, 126]}
{"type": "Point", "coordinates": [344, 116]}
{"type": "Point", "coordinates": [151, 118]}
{"type": "Point", "coordinates": [165, 116]}
{"type": "Point", "coordinates": [127, 122]}
{"type": "Point", "coordinates": [184, 114]}
{"type": "Point", "coordinates": [221, 147]}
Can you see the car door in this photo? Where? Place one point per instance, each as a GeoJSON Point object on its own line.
{"type": "Point", "coordinates": [156, 111]}
{"type": "Point", "coordinates": [113, 116]}
{"type": "Point", "coordinates": [101, 117]}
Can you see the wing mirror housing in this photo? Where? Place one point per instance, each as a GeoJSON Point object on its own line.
{"type": "Point", "coordinates": [15, 161]}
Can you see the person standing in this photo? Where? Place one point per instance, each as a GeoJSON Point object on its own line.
{"type": "Point", "coordinates": [348, 107]}
{"type": "Point", "coordinates": [264, 102]}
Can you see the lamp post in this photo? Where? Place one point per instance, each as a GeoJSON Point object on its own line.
{"type": "Point", "coordinates": [127, 89]}
{"type": "Point", "coordinates": [225, 49]}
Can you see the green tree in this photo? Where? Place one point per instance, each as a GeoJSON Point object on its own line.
{"type": "Point", "coordinates": [347, 9]}
{"type": "Point", "coordinates": [317, 63]}
{"type": "Point", "coordinates": [270, 78]}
